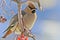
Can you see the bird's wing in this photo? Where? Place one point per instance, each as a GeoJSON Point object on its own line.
{"type": "Point", "coordinates": [10, 30]}
{"type": "Point", "coordinates": [11, 27]}
{"type": "Point", "coordinates": [14, 20]}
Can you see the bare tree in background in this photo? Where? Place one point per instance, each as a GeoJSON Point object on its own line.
{"type": "Point", "coordinates": [3, 4]}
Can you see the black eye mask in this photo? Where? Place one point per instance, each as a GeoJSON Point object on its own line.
{"type": "Point", "coordinates": [31, 8]}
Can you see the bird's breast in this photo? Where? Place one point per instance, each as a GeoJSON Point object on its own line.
{"type": "Point", "coordinates": [29, 20]}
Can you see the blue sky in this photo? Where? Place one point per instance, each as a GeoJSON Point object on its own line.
{"type": "Point", "coordinates": [47, 24]}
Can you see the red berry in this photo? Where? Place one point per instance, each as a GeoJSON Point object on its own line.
{"type": "Point", "coordinates": [18, 38]}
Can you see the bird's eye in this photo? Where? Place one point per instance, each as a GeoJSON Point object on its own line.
{"type": "Point", "coordinates": [33, 11]}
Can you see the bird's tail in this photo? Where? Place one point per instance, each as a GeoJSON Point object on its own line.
{"type": "Point", "coordinates": [7, 33]}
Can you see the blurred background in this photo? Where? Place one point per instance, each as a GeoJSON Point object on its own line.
{"type": "Point", "coordinates": [47, 25]}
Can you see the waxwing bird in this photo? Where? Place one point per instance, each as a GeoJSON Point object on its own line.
{"type": "Point", "coordinates": [29, 18]}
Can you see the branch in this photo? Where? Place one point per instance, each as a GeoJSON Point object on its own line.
{"type": "Point", "coordinates": [20, 16]}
